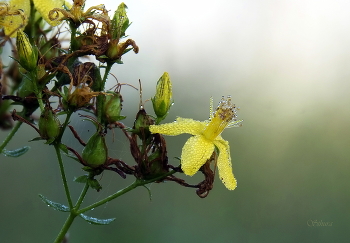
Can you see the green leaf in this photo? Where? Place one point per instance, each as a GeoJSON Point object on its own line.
{"type": "Point", "coordinates": [96, 221]}
{"type": "Point", "coordinates": [149, 192]}
{"type": "Point", "coordinates": [127, 50]}
{"type": "Point", "coordinates": [72, 156]}
{"type": "Point", "coordinates": [103, 56]}
{"type": "Point", "coordinates": [88, 169]}
{"type": "Point", "coordinates": [50, 140]}
{"type": "Point", "coordinates": [63, 148]}
{"type": "Point", "coordinates": [61, 113]}
{"type": "Point", "coordinates": [117, 118]}
{"type": "Point", "coordinates": [93, 183]}
{"type": "Point", "coordinates": [17, 152]}
{"type": "Point", "coordinates": [54, 205]}
{"type": "Point", "coordinates": [81, 179]}
{"type": "Point", "coordinates": [66, 91]}
{"type": "Point", "coordinates": [36, 139]}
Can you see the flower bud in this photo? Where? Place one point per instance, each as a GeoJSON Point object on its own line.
{"type": "Point", "coordinates": [49, 125]}
{"type": "Point", "coordinates": [162, 101]}
{"type": "Point", "coordinates": [120, 22]}
{"type": "Point", "coordinates": [28, 56]}
{"type": "Point", "coordinates": [95, 151]}
{"type": "Point", "coordinates": [142, 123]}
{"type": "Point", "coordinates": [113, 107]}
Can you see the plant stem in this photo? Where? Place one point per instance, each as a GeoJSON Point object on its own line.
{"type": "Point", "coordinates": [63, 175]}
{"type": "Point", "coordinates": [65, 228]}
{"type": "Point", "coordinates": [37, 90]}
{"type": "Point", "coordinates": [100, 99]}
{"type": "Point", "coordinates": [64, 126]}
{"type": "Point", "coordinates": [75, 211]}
{"type": "Point", "coordinates": [57, 144]}
{"type": "Point", "coordinates": [82, 196]}
{"type": "Point", "coordinates": [137, 183]}
{"type": "Point", "coordinates": [10, 135]}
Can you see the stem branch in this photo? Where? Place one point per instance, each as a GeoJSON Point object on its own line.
{"type": "Point", "coordinates": [137, 183]}
{"type": "Point", "coordinates": [10, 135]}
{"type": "Point", "coordinates": [63, 175]}
{"type": "Point", "coordinates": [65, 228]}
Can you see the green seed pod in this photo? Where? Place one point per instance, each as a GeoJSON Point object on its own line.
{"type": "Point", "coordinates": [28, 56]}
{"type": "Point", "coordinates": [49, 125]}
{"type": "Point", "coordinates": [141, 124]}
{"type": "Point", "coordinates": [113, 107]}
{"type": "Point", "coordinates": [95, 151]}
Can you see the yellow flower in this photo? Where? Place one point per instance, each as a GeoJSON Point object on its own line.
{"type": "Point", "coordinates": [207, 135]}
{"type": "Point", "coordinates": [14, 14]}
{"type": "Point", "coordinates": [45, 6]}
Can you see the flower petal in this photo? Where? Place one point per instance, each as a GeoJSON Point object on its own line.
{"type": "Point", "coordinates": [12, 23]}
{"type": "Point", "coordinates": [224, 164]}
{"type": "Point", "coordinates": [179, 126]}
{"type": "Point", "coordinates": [45, 6]}
{"type": "Point", "coordinates": [196, 151]}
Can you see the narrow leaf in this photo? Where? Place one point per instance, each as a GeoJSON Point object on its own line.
{"type": "Point", "coordinates": [81, 179]}
{"type": "Point", "coordinates": [96, 221]}
{"type": "Point", "coordinates": [93, 183]}
{"type": "Point", "coordinates": [36, 139]}
{"type": "Point", "coordinates": [72, 156]}
{"type": "Point", "coordinates": [63, 148]}
{"type": "Point", "coordinates": [149, 192]}
{"type": "Point", "coordinates": [17, 152]}
{"type": "Point", "coordinates": [54, 205]}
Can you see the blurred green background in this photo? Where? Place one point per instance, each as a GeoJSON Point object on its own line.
{"type": "Point", "coordinates": [286, 65]}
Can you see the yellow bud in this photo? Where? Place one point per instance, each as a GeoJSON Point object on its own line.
{"type": "Point", "coordinates": [162, 101]}
{"type": "Point", "coordinates": [27, 55]}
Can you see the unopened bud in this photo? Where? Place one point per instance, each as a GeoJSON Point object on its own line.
{"type": "Point", "coordinates": [28, 56]}
{"type": "Point", "coordinates": [95, 151]}
{"type": "Point", "coordinates": [162, 101]}
{"type": "Point", "coordinates": [142, 123]}
{"type": "Point", "coordinates": [113, 107]}
{"type": "Point", "coordinates": [120, 22]}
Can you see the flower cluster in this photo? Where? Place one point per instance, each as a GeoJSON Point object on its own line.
{"type": "Point", "coordinates": [58, 82]}
{"type": "Point", "coordinates": [50, 72]}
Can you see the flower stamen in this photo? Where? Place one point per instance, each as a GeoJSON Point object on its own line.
{"type": "Point", "coordinates": [223, 116]}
